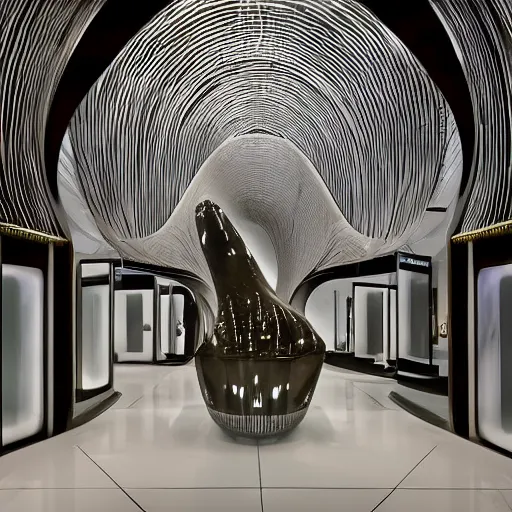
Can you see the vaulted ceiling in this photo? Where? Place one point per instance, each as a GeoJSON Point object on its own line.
{"type": "Point", "coordinates": [314, 126]}
{"type": "Point", "coordinates": [317, 99]}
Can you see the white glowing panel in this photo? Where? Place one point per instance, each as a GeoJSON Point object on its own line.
{"type": "Point", "coordinates": [164, 323]}
{"type": "Point", "coordinates": [22, 352]}
{"type": "Point", "coordinates": [385, 327]}
{"type": "Point", "coordinates": [494, 358]}
{"type": "Point", "coordinates": [370, 322]}
{"type": "Point", "coordinates": [178, 303]}
{"type": "Point", "coordinates": [393, 327]}
{"type": "Point", "coordinates": [414, 322]}
{"type": "Point", "coordinates": [95, 336]}
{"type": "Point", "coordinates": [95, 269]}
{"type": "Point", "coordinates": [123, 334]}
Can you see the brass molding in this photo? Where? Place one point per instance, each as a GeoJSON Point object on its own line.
{"type": "Point", "coordinates": [30, 234]}
{"type": "Point", "coordinates": [503, 228]}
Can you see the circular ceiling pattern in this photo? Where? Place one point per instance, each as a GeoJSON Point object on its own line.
{"type": "Point", "coordinates": [327, 76]}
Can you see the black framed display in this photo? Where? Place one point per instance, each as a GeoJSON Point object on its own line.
{"type": "Point", "coordinates": [136, 318]}
{"type": "Point", "coordinates": [458, 327]}
{"type": "Point", "coordinates": [336, 320]}
{"type": "Point", "coordinates": [190, 319]}
{"type": "Point", "coordinates": [435, 328]}
{"type": "Point", "coordinates": [376, 322]}
{"type": "Point", "coordinates": [349, 323]}
{"type": "Point", "coordinates": [414, 346]}
{"type": "Point", "coordinates": [492, 270]}
{"type": "Point", "coordinates": [24, 369]}
{"type": "Point", "coordinates": [163, 307]}
{"type": "Point", "coordinates": [95, 328]}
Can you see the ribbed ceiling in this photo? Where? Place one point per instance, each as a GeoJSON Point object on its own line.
{"type": "Point", "coordinates": [37, 38]}
{"type": "Point", "coordinates": [481, 31]}
{"type": "Point", "coordinates": [327, 76]}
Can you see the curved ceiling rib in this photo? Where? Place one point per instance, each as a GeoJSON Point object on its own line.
{"type": "Point", "coordinates": [422, 32]}
{"type": "Point", "coordinates": [107, 33]}
{"type": "Point", "coordinates": [481, 31]}
{"type": "Point", "coordinates": [37, 38]}
{"type": "Point", "coordinates": [85, 234]}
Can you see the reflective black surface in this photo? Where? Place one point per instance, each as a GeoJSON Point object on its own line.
{"type": "Point", "coordinates": [259, 370]}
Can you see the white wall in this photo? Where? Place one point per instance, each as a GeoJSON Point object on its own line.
{"type": "Point", "coordinates": [260, 246]}
{"type": "Point", "coordinates": [164, 323]}
{"type": "Point", "coordinates": [178, 303]}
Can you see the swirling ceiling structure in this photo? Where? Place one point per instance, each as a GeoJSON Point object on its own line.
{"type": "Point", "coordinates": [87, 239]}
{"type": "Point", "coordinates": [481, 31]}
{"type": "Point", "coordinates": [327, 77]}
{"type": "Point", "coordinates": [37, 38]}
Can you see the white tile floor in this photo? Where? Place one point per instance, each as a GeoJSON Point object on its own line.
{"type": "Point", "coordinates": [158, 450]}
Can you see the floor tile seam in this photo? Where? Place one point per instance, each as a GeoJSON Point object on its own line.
{"type": "Point", "coordinates": [374, 399]}
{"type": "Point", "coordinates": [456, 489]}
{"type": "Point", "coordinates": [204, 488]}
{"type": "Point", "coordinates": [398, 485]}
{"type": "Point", "coordinates": [416, 466]}
{"type": "Point", "coordinates": [253, 488]}
{"type": "Point", "coordinates": [259, 473]}
{"type": "Point", "coordinates": [4, 489]}
{"type": "Point", "coordinates": [383, 500]}
{"type": "Point", "coordinates": [291, 488]}
{"type": "Point", "coordinates": [133, 403]}
{"type": "Point", "coordinates": [451, 489]}
{"type": "Point", "coordinates": [504, 499]}
{"type": "Point", "coordinates": [110, 477]}
{"type": "Point", "coordinates": [387, 488]}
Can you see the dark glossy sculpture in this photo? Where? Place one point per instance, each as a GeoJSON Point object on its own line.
{"type": "Point", "coordinates": [259, 370]}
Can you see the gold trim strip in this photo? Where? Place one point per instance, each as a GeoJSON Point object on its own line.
{"type": "Point", "coordinates": [503, 228]}
{"type": "Point", "coordinates": [30, 234]}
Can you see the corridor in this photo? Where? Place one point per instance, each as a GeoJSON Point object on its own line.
{"type": "Point", "coordinates": [157, 449]}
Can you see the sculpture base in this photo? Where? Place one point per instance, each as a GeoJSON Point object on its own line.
{"type": "Point", "coordinates": [258, 426]}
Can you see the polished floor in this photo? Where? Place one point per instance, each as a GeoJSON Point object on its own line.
{"type": "Point", "coordinates": [157, 450]}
